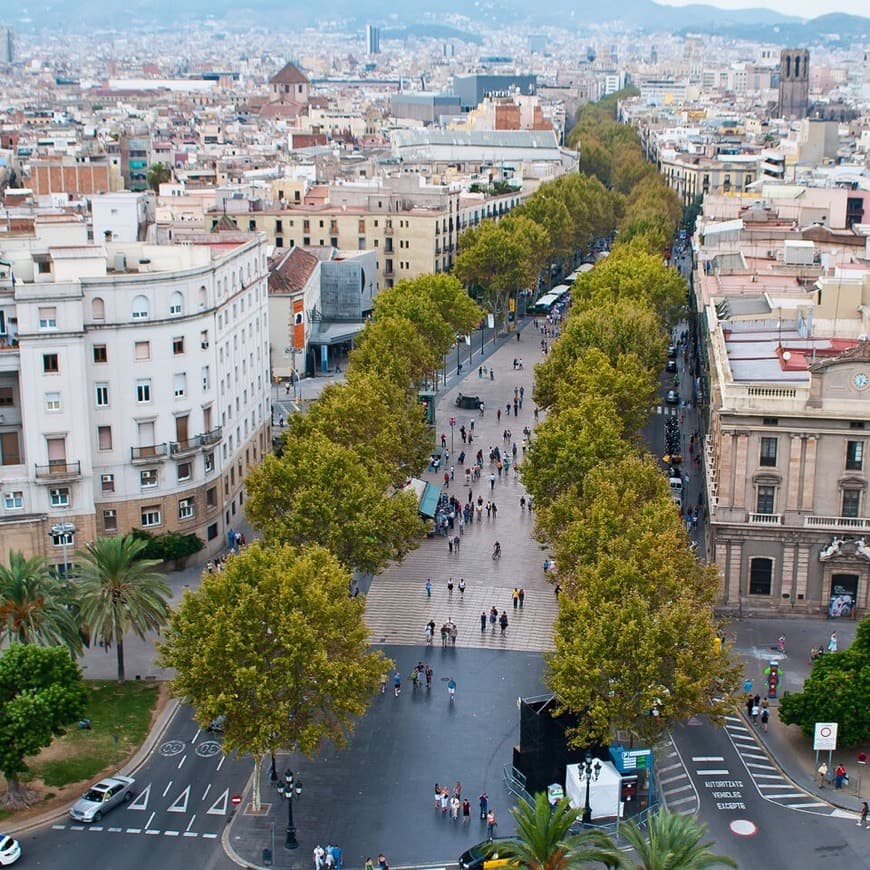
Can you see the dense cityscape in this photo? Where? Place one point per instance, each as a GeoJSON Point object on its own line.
{"type": "Point", "coordinates": [448, 398]}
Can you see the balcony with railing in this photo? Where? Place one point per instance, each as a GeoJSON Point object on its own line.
{"type": "Point", "coordinates": [59, 471]}
{"type": "Point", "coordinates": [838, 524]}
{"type": "Point", "coordinates": [211, 437]}
{"type": "Point", "coordinates": [149, 453]}
{"type": "Point", "coordinates": [180, 448]}
{"type": "Point", "coordinates": [756, 519]}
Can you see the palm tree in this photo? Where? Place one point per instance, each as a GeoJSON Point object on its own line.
{"type": "Point", "coordinates": [544, 840]}
{"type": "Point", "coordinates": [37, 606]}
{"type": "Point", "coordinates": [674, 841]}
{"type": "Point", "coordinates": [119, 592]}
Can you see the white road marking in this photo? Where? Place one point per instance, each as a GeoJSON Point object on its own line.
{"type": "Point", "coordinates": [207, 790]}
{"type": "Point", "coordinates": [116, 830]}
{"type": "Point", "coordinates": [95, 828]}
{"type": "Point", "coordinates": [219, 807]}
{"type": "Point", "coordinates": [221, 762]}
{"type": "Point", "coordinates": [209, 836]}
{"type": "Point", "coordinates": [190, 824]}
{"type": "Point", "coordinates": [140, 802]}
{"type": "Point", "coordinates": [58, 827]}
{"type": "Point", "coordinates": [76, 827]}
{"type": "Point", "coordinates": [134, 830]}
{"type": "Point", "coordinates": [179, 805]}
{"type": "Point", "coordinates": [170, 833]}
{"type": "Point", "coordinates": [708, 758]}
{"type": "Point", "coordinates": [168, 786]}
{"type": "Point", "coordinates": [716, 771]}
{"type": "Point", "coordinates": [180, 763]}
{"type": "Point", "coordinates": [152, 832]}
{"type": "Point", "coordinates": [190, 834]}
{"type": "Point", "coordinates": [151, 819]}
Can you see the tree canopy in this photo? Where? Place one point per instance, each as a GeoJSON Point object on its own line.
{"type": "Point", "coordinates": [672, 842]}
{"type": "Point", "coordinates": [274, 644]}
{"type": "Point", "coordinates": [41, 692]}
{"type": "Point", "coordinates": [322, 492]}
{"type": "Point", "coordinates": [37, 606]}
{"type": "Point", "coordinates": [835, 691]}
{"type": "Point", "coordinates": [118, 591]}
{"type": "Point", "coordinates": [394, 350]}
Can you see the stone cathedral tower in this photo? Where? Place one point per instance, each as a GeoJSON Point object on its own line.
{"type": "Point", "coordinates": [794, 82]}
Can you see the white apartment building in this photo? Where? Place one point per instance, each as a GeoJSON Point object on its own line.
{"type": "Point", "coordinates": [134, 385]}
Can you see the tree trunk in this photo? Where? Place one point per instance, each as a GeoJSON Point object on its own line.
{"type": "Point", "coordinates": [119, 652]}
{"type": "Point", "coordinates": [255, 797]}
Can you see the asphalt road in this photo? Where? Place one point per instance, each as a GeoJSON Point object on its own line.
{"type": "Point", "coordinates": [755, 815]}
{"type": "Point", "coordinates": [181, 805]}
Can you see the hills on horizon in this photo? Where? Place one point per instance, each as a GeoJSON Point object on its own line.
{"type": "Point", "coordinates": [750, 23]}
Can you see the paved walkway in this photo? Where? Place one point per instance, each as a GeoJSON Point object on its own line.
{"type": "Point", "coordinates": [397, 607]}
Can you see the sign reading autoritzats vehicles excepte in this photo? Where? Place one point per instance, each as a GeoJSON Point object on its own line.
{"type": "Point", "coordinates": [825, 736]}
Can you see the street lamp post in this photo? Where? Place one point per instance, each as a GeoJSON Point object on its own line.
{"type": "Point", "coordinates": [286, 789]}
{"type": "Point", "coordinates": [591, 773]}
{"type": "Point", "coordinates": [452, 425]}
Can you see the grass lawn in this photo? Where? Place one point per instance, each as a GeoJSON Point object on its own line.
{"type": "Point", "coordinates": [120, 715]}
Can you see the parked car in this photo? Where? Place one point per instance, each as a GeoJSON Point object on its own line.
{"type": "Point", "coordinates": [671, 365]}
{"type": "Point", "coordinates": [479, 858]}
{"type": "Point", "coordinates": [216, 726]}
{"type": "Point", "coordinates": [102, 797]}
{"type": "Point", "coordinates": [10, 850]}
{"type": "Point", "coordinates": [672, 351]}
{"type": "Point", "coordinates": [673, 397]}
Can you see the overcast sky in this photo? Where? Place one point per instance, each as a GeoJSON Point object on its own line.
{"type": "Point", "coordinates": [800, 8]}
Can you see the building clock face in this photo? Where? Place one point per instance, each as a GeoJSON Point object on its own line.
{"type": "Point", "coordinates": [860, 380]}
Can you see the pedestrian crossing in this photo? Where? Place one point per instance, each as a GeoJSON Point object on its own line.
{"type": "Point", "coordinates": [771, 783]}
{"type": "Point", "coordinates": [678, 792]}
{"type": "Point", "coordinates": [667, 410]}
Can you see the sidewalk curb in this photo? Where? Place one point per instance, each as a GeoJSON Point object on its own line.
{"type": "Point", "coordinates": [138, 760]}
{"type": "Point", "coordinates": [787, 774]}
{"type": "Point", "coordinates": [228, 847]}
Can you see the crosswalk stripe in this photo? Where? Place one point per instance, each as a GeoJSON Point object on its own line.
{"type": "Point", "coordinates": [677, 789]}
{"type": "Point", "coordinates": [804, 806]}
{"type": "Point", "coordinates": [682, 800]}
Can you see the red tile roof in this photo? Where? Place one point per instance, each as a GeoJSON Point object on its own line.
{"type": "Point", "coordinates": [288, 272]}
{"type": "Point", "coordinates": [289, 74]}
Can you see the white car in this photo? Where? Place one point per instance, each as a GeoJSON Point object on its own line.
{"type": "Point", "coordinates": [102, 797]}
{"type": "Point", "coordinates": [10, 850]}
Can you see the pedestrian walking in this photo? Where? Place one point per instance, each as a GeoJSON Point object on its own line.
{"type": "Point", "coordinates": [369, 865]}
{"type": "Point", "coordinates": [318, 855]}
{"type": "Point", "coordinates": [428, 587]}
{"type": "Point", "coordinates": [450, 586]}
{"type": "Point", "coordinates": [461, 587]}
{"type": "Point", "coordinates": [515, 597]}
{"type": "Point", "coordinates": [483, 620]}
{"type": "Point", "coordinates": [755, 711]}
{"type": "Point", "coordinates": [494, 510]}
{"type": "Point", "coordinates": [493, 617]}
{"type": "Point", "coordinates": [445, 800]}
{"type": "Point", "coordinates": [522, 597]}
{"type": "Point", "coordinates": [503, 622]}
{"type": "Point", "coordinates": [450, 545]}
{"type": "Point", "coordinates": [491, 481]}
{"type": "Point", "coordinates": [455, 807]}
{"type": "Point", "coordinates": [522, 502]}
{"type": "Point", "coordinates": [822, 773]}
{"type": "Point", "coordinates": [451, 689]}
{"type": "Point", "coordinates": [491, 824]}
{"type": "Point", "coordinates": [382, 862]}
{"type": "Point", "coordinates": [428, 677]}
{"type": "Point", "coordinates": [864, 810]}
{"type": "Point", "coordinates": [429, 631]}
{"type": "Point", "coordinates": [765, 717]}
{"type": "Point", "coordinates": [466, 811]}
{"type": "Point", "coordinates": [397, 683]}
{"type": "Point", "coordinates": [833, 643]}
{"type": "Point", "coordinates": [484, 803]}
{"type": "Point", "coordinates": [840, 776]}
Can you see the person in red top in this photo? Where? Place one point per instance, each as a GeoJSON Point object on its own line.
{"type": "Point", "coordinates": [839, 776]}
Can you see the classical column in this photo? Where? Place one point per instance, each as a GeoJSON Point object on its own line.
{"type": "Point", "coordinates": [727, 443]}
{"type": "Point", "coordinates": [807, 499]}
{"type": "Point", "coordinates": [742, 445]}
{"type": "Point", "coordinates": [803, 567]}
{"type": "Point", "coordinates": [793, 492]}
{"type": "Point", "coordinates": [735, 565]}
{"type": "Point", "coordinates": [788, 549]}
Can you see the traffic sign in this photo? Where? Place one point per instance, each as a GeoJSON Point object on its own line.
{"type": "Point", "coordinates": [236, 799]}
{"type": "Point", "coordinates": [825, 736]}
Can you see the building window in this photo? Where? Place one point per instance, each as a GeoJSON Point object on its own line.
{"type": "Point", "coordinates": [7, 397]}
{"type": "Point", "coordinates": [185, 508]}
{"type": "Point", "coordinates": [110, 521]}
{"type": "Point", "coordinates": [48, 318]}
{"type": "Point", "coordinates": [107, 482]}
{"type": "Point", "coordinates": [179, 386]}
{"type": "Point", "coordinates": [50, 364]}
{"type": "Point", "coordinates": [143, 391]}
{"type": "Point", "coordinates": [771, 421]}
{"type": "Point", "coordinates": [64, 539]}
{"type": "Point", "coordinates": [148, 478]}
{"type": "Point", "coordinates": [209, 462]}
{"type": "Point", "coordinates": [760, 576]}
{"type": "Point", "coordinates": [766, 500]}
{"type": "Point", "coordinates": [851, 503]}
{"type": "Point", "coordinates": [211, 497]}
{"type": "Point", "coordinates": [140, 308]}
{"type": "Point", "coordinates": [178, 345]}
{"type": "Point", "coordinates": [143, 350]}
{"type": "Point", "coordinates": [13, 501]}
{"type": "Point", "coordinates": [206, 380]}
{"type": "Point", "coordinates": [854, 455]}
{"type": "Point", "coordinates": [101, 355]}
{"type": "Point", "coordinates": [768, 452]}
{"type": "Point", "coordinates": [101, 395]}
{"type": "Point", "coordinates": [52, 402]}
{"type": "Point", "coordinates": [151, 516]}
{"type": "Point", "coordinates": [104, 437]}
{"type": "Point", "coordinates": [176, 304]}
{"type": "Point", "coordinates": [59, 497]}
{"type": "Point", "coordinates": [98, 309]}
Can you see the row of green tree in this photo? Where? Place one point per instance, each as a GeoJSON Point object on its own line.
{"type": "Point", "coordinates": [616, 189]}
{"type": "Point", "coordinates": [635, 634]}
{"type": "Point", "coordinates": [275, 643]}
